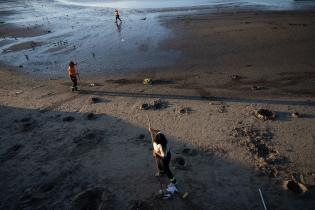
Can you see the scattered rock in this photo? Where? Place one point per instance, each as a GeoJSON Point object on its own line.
{"type": "Point", "coordinates": [265, 114]}
{"type": "Point", "coordinates": [156, 104]}
{"type": "Point", "coordinates": [68, 119]}
{"type": "Point", "coordinates": [94, 100]}
{"type": "Point", "coordinates": [295, 115]}
{"type": "Point", "coordinates": [147, 81]}
{"type": "Point", "coordinates": [91, 116]}
{"type": "Point", "coordinates": [145, 106]}
{"type": "Point", "coordinates": [185, 110]}
{"type": "Point", "coordinates": [97, 198]}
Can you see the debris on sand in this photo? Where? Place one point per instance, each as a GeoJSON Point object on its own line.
{"type": "Point", "coordinates": [92, 85]}
{"type": "Point", "coordinates": [184, 110]}
{"type": "Point", "coordinates": [94, 100]}
{"type": "Point", "coordinates": [91, 116]}
{"type": "Point", "coordinates": [189, 152]}
{"type": "Point", "coordinates": [258, 144]}
{"type": "Point", "coordinates": [155, 105]}
{"type": "Point", "coordinates": [97, 198]}
{"type": "Point", "coordinates": [68, 119]}
{"type": "Point", "coordinates": [295, 114]}
{"type": "Point", "coordinates": [265, 114]}
{"type": "Point", "coordinates": [147, 81]}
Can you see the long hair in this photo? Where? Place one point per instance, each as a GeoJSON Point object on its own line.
{"type": "Point", "coordinates": [160, 139]}
{"type": "Point", "coordinates": [71, 64]}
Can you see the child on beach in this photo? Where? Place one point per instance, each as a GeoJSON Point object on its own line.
{"type": "Point", "coordinates": [117, 16]}
{"type": "Point", "coordinates": [73, 75]}
{"type": "Point", "coordinates": [161, 151]}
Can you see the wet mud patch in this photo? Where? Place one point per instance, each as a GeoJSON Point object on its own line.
{"type": "Point", "coordinates": [23, 46]}
{"type": "Point", "coordinates": [97, 198]}
{"type": "Point", "coordinates": [11, 153]}
{"type": "Point", "coordinates": [88, 140]}
{"type": "Point", "coordinates": [26, 124]}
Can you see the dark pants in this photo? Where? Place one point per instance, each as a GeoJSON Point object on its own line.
{"type": "Point", "coordinates": [164, 166]}
{"type": "Point", "coordinates": [118, 18]}
{"type": "Point", "coordinates": [74, 81]}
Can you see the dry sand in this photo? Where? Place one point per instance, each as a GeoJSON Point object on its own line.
{"type": "Point", "coordinates": [52, 151]}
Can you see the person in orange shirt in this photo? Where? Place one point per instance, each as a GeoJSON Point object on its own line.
{"type": "Point", "coordinates": [73, 75]}
{"type": "Point", "coordinates": [117, 15]}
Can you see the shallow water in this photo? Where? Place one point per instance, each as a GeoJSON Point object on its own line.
{"type": "Point", "coordinates": [154, 4]}
{"type": "Point", "coordinates": [87, 33]}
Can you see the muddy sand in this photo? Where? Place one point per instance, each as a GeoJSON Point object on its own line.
{"type": "Point", "coordinates": [91, 149]}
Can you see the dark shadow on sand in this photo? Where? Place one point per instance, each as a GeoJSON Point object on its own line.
{"type": "Point", "coordinates": [201, 98]}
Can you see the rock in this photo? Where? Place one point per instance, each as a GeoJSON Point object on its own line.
{"type": "Point", "coordinates": [296, 187]}
{"type": "Point", "coordinates": [185, 110]}
{"type": "Point", "coordinates": [92, 85]}
{"type": "Point", "coordinates": [295, 115]}
{"type": "Point", "coordinates": [144, 106]}
{"type": "Point", "coordinates": [265, 114]}
{"type": "Point", "coordinates": [20, 66]}
{"type": "Point", "coordinates": [147, 81]}
{"type": "Point", "coordinates": [159, 104]}
{"type": "Point", "coordinates": [94, 100]}
{"type": "Point", "coordinates": [68, 119]}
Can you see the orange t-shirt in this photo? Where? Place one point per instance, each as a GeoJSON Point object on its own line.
{"type": "Point", "coordinates": [72, 71]}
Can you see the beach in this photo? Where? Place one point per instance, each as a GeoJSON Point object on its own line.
{"type": "Point", "coordinates": [212, 69]}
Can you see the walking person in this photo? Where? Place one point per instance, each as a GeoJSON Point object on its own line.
{"type": "Point", "coordinates": [117, 16]}
{"type": "Point", "coordinates": [73, 75]}
{"type": "Point", "coordinates": [161, 151]}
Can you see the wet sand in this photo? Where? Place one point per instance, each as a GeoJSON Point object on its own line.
{"type": "Point", "coordinates": [55, 154]}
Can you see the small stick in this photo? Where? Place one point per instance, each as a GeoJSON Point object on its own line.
{"type": "Point", "coordinates": [262, 199]}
